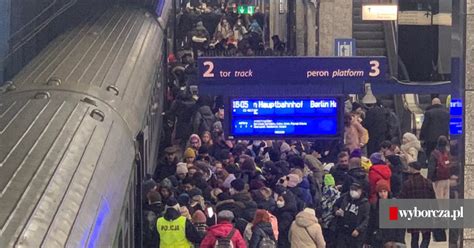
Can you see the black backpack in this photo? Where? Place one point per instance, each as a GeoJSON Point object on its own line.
{"type": "Point", "coordinates": [225, 242]}
{"type": "Point", "coordinates": [266, 241]}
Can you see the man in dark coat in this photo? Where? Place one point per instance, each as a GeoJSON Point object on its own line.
{"type": "Point", "coordinates": [435, 124]}
{"type": "Point", "coordinates": [167, 165]}
{"type": "Point", "coordinates": [339, 172]}
{"type": "Point", "coordinates": [418, 187]}
{"type": "Point", "coordinates": [285, 212]}
{"type": "Point", "coordinates": [376, 123]}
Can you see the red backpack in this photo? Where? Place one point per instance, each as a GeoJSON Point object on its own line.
{"type": "Point", "coordinates": [443, 165]}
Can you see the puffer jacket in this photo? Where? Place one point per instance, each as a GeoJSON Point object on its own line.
{"type": "Point", "coordinates": [355, 135]}
{"type": "Point", "coordinates": [410, 149]}
{"type": "Point", "coordinates": [305, 231]}
{"type": "Point", "coordinates": [221, 230]}
{"type": "Point", "coordinates": [377, 172]}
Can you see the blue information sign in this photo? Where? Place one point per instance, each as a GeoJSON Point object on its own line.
{"type": "Point", "coordinates": [455, 126]}
{"type": "Point", "coordinates": [455, 107]}
{"type": "Point", "coordinates": [284, 117]}
{"type": "Point", "coordinates": [294, 70]}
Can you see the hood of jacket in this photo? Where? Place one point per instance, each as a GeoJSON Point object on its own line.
{"type": "Point", "coordinates": [382, 170]}
{"type": "Point", "coordinates": [222, 229]}
{"type": "Point", "coordinates": [305, 219]}
{"type": "Point", "coordinates": [413, 143]}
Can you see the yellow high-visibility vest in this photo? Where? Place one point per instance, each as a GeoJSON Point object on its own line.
{"type": "Point", "coordinates": [172, 233]}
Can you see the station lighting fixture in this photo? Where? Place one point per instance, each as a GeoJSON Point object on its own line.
{"type": "Point", "coordinates": [369, 97]}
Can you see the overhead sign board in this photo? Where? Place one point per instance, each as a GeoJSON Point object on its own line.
{"type": "Point", "coordinates": [416, 18]}
{"type": "Point", "coordinates": [379, 12]}
{"type": "Point", "coordinates": [284, 117]}
{"type": "Point", "coordinates": [274, 70]}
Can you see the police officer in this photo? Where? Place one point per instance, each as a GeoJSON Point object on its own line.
{"type": "Point", "coordinates": [175, 230]}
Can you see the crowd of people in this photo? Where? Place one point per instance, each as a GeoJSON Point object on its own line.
{"type": "Point", "coordinates": [211, 192]}
{"type": "Point", "coordinates": [215, 27]}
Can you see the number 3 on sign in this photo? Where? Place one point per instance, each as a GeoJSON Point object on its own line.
{"type": "Point", "coordinates": [210, 67]}
{"type": "Point", "coordinates": [374, 68]}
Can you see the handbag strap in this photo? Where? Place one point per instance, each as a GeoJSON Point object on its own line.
{"type": "Point", "coordinates": [306, 229]}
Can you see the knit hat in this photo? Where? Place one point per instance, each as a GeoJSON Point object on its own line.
{"type": "Point", "coordinates": [293, 180]}
{"type": "Point", "coordinates": [377, 158]}
{"type": "Point", "coordinates": [225, 215]}
{"type": "Point", "coordinates": [356, 153]}
{"type": "Point", "coordinates": [195, 192]}
{"type": "Point", "coordinates": [199, 217]}
{"type": "Point", "coordinates": [183, 199]}
{"type": "Point", "coordinates": [310, 211]}
{"type": "Point", "coordinates": [172, 203]}
{"type": "Point", "coordinates": [166, 183]}
{"type": "Point", "coordinates": [329, 180]}
{"type": "Point", "coordinates": [181, 168]}
{"type": "Point", "coordinates": [189, 153]}
{"type": "Point", "coordinates": [238, 184]}
{"type": "Point", "coordinates": [382, 185]}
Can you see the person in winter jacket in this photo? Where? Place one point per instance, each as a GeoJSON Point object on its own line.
{"type": "Point", "coordinates": [221, 230]}
{"type": "Point", "coordinates": [410, 148]}
{"type": "Point", "coordinates": [329, 197]}
{"type": "Point", "coordinates": [418, 187]}
{"type": "Point", "coordinates": [203, 118]}
{"type": "Point", "coordinates": [355, 135]}
{"type": "Point", "coordinates": [339, 172]}
{"type": "Point", "coordinates": [376, 124]}
{"type": "Point", "coordinates": [261, 227]}
{"type": "Point", "coordinates": [397, 168]}
{"type": "Point", "coordinates": [285, 212]}
{"type": "Point", "coordinates": [175, 230]}
{"type": "Point", "coordinates": [379, 170]}
{"type": "Point", "coordinates": [435, 124]}
{"type": "Point", "coordinates": [166, 165]}
{"type": "Point", "coordinates": [352, 213]}
{"type": "Point", "coordinates": [376, 236]}
{"type": "Point", "coordinates": [305, 230]}
{"type": "Point", "coordinates": [241, 195]}
{"type": "Point", "coordinates": [439, 168]}
{"type": "Point", "coordinates": [356, 174]}
{"type": "Point", "coordinates": [199, 220]}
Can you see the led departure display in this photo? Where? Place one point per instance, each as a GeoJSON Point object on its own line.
{"type": "Point", "coordinates": [276, 118]}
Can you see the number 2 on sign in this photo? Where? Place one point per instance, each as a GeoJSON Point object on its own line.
{"type": "Point", "coordinates": [374, 69]}
{"type": "Point", "coordinates": [210, 67]}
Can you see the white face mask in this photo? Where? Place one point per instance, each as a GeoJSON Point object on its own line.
{"type": "Point", "coordinates": [232, 191]}
{"type": "Point", "coordinates": [280, 204]}
{"type": "Point", "coordinates": [355, 194]}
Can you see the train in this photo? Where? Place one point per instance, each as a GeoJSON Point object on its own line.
{"type": "Point", "coordinates": [79, 130]}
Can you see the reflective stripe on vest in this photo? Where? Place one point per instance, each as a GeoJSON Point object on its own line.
{"type": "Point", "coordinates": [172, 233]}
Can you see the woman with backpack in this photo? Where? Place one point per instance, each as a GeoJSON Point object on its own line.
{"type": "Point", "coordinates": [262, 231]}
{"type": "Point", "coordinates": [439, 168]}
{"type": "Point", "coordinates": [305, 231]}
